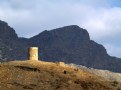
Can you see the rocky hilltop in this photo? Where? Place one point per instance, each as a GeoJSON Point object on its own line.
{"type": "Point", "coordinates": [70, 44]}
{"type": "Point", "coordinates": [34, 75]}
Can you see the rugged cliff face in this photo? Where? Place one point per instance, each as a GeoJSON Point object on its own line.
{"type": "Point", "coordinates": [6, 32]}
{"type": "Point", "coordinates": [11, 47]}
{"type": "Point", "coordinates": [70, 44]}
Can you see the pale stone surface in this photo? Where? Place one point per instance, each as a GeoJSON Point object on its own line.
{"type": "Point", "coordinates": [33, 53]}
{"type": "Point", "coordinates": [61, 64]}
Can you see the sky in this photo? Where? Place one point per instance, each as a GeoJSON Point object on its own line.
{"type": "Point", "coordinates": [101, 18]}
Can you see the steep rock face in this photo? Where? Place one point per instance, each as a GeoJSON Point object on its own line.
{"type": "Point", "coordinates": [11, 47]}
{"type": "Point", "coordinates": [6, 32]}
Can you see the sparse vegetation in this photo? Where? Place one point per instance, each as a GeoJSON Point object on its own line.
{"type": "Point", "coordinates": [115, 83]}
{"type": "Point", "coordinates": [23, 75]}
{"type": "Point", "coordinates": [103, 73]}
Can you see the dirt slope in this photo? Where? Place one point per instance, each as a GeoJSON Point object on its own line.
{"type": "Point", "coordinates": [29, 75]}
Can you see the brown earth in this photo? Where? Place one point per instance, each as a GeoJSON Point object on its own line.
{"type": "Point", "coordinates": [38, 75]}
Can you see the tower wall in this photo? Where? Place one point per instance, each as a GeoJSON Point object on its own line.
{"type": "Point", "coordinates": [33, 53]}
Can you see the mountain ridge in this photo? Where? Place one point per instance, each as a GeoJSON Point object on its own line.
{"type": "Point", "coordinates": [70, 44]}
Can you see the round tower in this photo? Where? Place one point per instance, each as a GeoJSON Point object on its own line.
{"type": "Point", "coordinates": [33, 53]}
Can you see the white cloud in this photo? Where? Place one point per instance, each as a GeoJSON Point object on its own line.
{"type": "Point", "coordinates": [113, 50]}
{"type": "Point", "coordinates": [100, 17]}
{"type": "Point", "coordinates": [104, 24]}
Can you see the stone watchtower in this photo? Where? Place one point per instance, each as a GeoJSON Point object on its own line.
{"type": "Point", "coordinates": [33, 53]}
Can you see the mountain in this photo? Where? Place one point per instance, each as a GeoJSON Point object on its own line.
{"type": "Point", "coordinates": [11, 46]}
{"type": "Point", "coordinates": [70, 44]}
{"type": "Point", "coordinates": [34, 75]}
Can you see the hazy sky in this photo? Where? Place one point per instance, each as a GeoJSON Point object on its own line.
{"type": "Point", "coordinates": [101, 18]}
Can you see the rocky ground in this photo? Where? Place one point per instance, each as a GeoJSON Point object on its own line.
{"type": "Point", "coordinates": [34, 75]}
{"type": "Point", "coordinates": [103, 73]}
